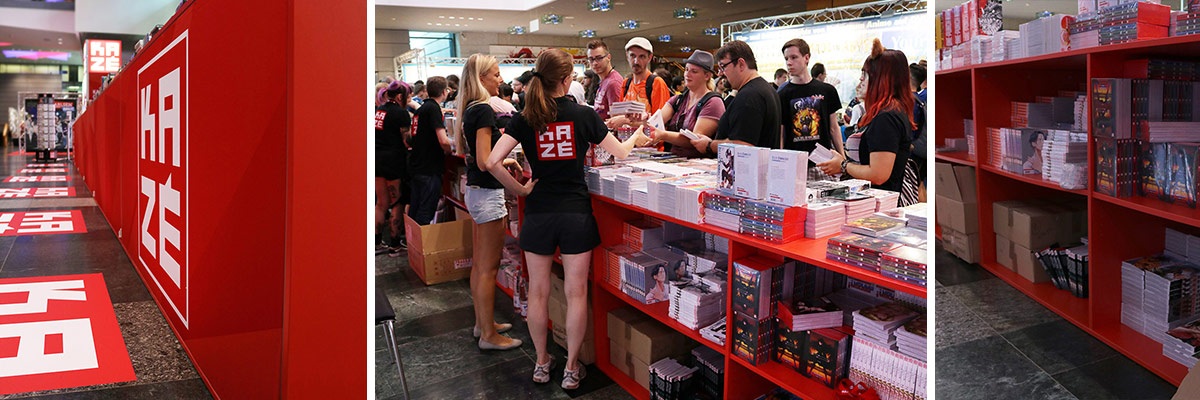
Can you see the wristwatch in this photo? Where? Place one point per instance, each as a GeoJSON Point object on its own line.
{"type": "Point", "coordinates": [845, 162]}
{"type": "Point", "coordinates": [709, 147]}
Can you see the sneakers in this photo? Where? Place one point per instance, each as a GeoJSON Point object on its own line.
{"type": "Point", "coordinates": [398, 249]}
{"type": "Point", "coordinates": [541, 372]}
{"type": "Point", "coordinates": [571, 378]}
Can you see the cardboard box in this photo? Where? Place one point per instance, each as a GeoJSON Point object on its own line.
{"type": "Point", "coordinates": [651, 341]}
{"type": "Point", "coordinates": [957, 215]}
{"type": "Point", "coordinates": [587, 350]}
{"type": "Point", "coordinates": [1190, 387]}
{"type": "Point", "coordinates": [1004, 252]}
{"type": "Point", "coordinates": [787, 176]}
{"type": "Point", "coordinates": [439, 252]}
{"type": "Point", "coordinates": [620, 323]}
{"type": "Point", "coordinates": [750, 166]}
{"type": "Point", "coordinates": [1028, 265]}
{"type": "Point", "coordinates": [956, 182]}
{"type": "Point", "coordinates": [558, 288]}
{"type": "Point", "coordinates": [1002, 216]}
{"type": "Point", "coordinates": [558, 320]}
{"type": "Point", "coordinates": [640, 371]}
{"type": "Point", "coordinates": [1034, 227]}
{"type": "Point", "coordinates": [965, 246]}
{"type": "Point", "coordinates": [619, 357]}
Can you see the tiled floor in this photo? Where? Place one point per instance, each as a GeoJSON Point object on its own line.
{"type": "Point", "coordinates": [162, 367]}
{"type": "Point", "coordinates": [441, 361]}
{"type": "Point", "coordinates": [994, 342]}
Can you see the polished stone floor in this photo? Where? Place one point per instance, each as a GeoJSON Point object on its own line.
{"type": "Point", "coordinates": [162, 367]}
{"type": "Point", "coordinates": [440, 358]}
{"type": "Point", "coordinates": [993, 342]}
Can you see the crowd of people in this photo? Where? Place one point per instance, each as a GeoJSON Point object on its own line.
{"type": "Point", "coordinates": [719, 98]}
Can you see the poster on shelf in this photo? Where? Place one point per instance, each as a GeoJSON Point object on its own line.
{"type": "Point", "coordinates": [843, 46]}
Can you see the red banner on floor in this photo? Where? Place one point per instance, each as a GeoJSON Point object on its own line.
{"type": "Point", "coordinates": [41, 222]}
{"type": "Point", "coordinates": [45, 165]}
{"type": "Point", "coordinates": [59, 332]}
{"type": "Point", "coordinates": [43, 170]}
{"type": "Point", "coordinates": [43, 178]}
{"type": "Point", "coordinates": [21, 193]}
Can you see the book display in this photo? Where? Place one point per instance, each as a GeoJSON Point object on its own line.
{"type": "Point", "coordinates": [1130, 80]}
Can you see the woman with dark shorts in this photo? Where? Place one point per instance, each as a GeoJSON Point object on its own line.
{"type": "Point", "coordinates": [392, 123]}
{"type": "Point", "coordinates": [555, 134]}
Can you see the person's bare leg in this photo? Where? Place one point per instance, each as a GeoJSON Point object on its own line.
{"type": "Point", "coordinates": [539, 294]}
{"type": "Point", "coordinates": [489, 242]}
{"type": "Point", "coordinates": [382, 199]}
{"type": "Point", "coordinates": [397, 222]}
{"type": "Point", "coordinates": [575, 266]}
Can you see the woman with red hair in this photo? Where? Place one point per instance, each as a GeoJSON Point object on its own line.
{"type": "Point", "coordinates": [887, 123]}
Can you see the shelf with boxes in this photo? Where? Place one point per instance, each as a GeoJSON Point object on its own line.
{"type": "Point", "coordinates": [1125, 219]}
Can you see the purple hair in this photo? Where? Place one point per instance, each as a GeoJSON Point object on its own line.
{"type": "Point", "coordinates": [393, 89]}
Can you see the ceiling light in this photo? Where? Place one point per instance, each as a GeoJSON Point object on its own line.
{"type": "Point", "coordinates": [455, 24]}
{"type": "Point", "coordinates": [428, 23]}
{"type": "Point", "coordinates": [516, 30]}
{"type": "Point", "coordinates": [1044, 14]}
{"type": "Point", "coordinates": [664, 38]}
{"type": "Point", "coordinates": [599, 5]}
{"type": "Point", "coordinates": [712, 31]}
{"type": "Point", "coordinates": [685, 13]}
{"type": "Point", "coordinates": [629, 24]}
{"type": "Point", "coordinates": [441, 16]}
{"type": "Point", "coordinates": [587, 33]}
{"type": "Point", "coordinates": [552, 19]}
{"type": "Point", "coordinates": [470, 18]}
{"type": "Point", "coordinates": [685, 49]}
{"type": "Point", "coordinates": [451, 17]}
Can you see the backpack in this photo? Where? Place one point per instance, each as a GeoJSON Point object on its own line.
{"type": "Point", "coordinates": [677, 104]}
{"type": "Point", "coordinates": [649, 86]}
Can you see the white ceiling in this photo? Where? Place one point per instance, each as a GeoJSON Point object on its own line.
{"type": "Point", "coordinates": [656, 18]}
{"type": "Point", "coordinates": [1017, 12]}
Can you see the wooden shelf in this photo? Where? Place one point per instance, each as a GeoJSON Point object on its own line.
{"type": "Point", "coordinates": [811, 251]}
{"type": "Point", "coordinates": [659, 311]}
{"type": "Point", "coordinates": [1155, 207]}
{"type": "Point", "coordinates": [1060, 301]}
{"type": "Point", "coordinates": [957, 157]}
{"type": "Point", "coordinates": [1035, 179]}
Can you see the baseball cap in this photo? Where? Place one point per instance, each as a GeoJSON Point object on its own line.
{"type": "Point", "coordinates": [640, 42]}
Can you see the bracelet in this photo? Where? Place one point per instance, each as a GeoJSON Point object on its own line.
{"type": "Point", "coordinates": [709, 147]}
{"type": "Point", "coordinates": [845, 163]}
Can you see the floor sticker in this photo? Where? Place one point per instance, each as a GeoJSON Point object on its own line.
{"type": "Point", "coordinates": [43, 178]}
{"type": "Point", "coordinates": [43, 170]}
{"type": "Point", "coordinates": [59, 332]}
{"type": "Point", "coordinates": [41, 222]}
{"type": "Point", "coordinates": [60, 165]}
{"type": "Point", "coordinates": [22, 193]}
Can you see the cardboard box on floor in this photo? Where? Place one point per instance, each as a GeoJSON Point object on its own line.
{"type": "Point", "coordinates": [1004, 252]}
{"type": "Point", "coordinates": [1189, 389]}
{"type": "Point", "coordinates": [439, 252]}
{"type": "Point", "coordinates": [956, 215]}
{"type": "Point", "coordinates": [1028, 266]}
{"type": "Point", "coordinates": [1038, 223]}
{"type": "Point", "coordinates": [638, 340]}
{"type": "Point", "coordinates": [619, 357]}
{"type": "Point", "coordinates": [965, 246]}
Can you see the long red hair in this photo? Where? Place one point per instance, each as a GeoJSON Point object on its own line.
{"type": "Point", "coordinates": [887, 84]}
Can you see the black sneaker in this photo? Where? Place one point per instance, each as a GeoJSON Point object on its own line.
{"type": "Point", "coordinates": [400, 248]}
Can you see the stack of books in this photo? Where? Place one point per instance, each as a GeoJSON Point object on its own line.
{"type": "Point", "coordinates": [827, 358]}
{"type": "Point", "coordinates": [626, 107]}
{"type": "Point", "coordinates": [715, 333]}
{"type": "Point", "coordinates": [824, 218]}
{"type": "Point", "coordinates": [918, 216]}
{"type": "Point", "coordinates": [1133, 288]}
{"type": "Point", "coordinates": [596, 175]}
{"type": "Point", "coordinates": [1173, 131]}
{"type": "Point", "coordinates": [753, 338]}
{"type": "Point", "coordinates": [1182, 343]}
{"type": "Point", "coordinates": [688, 206]}
{"type": "Point", "coordinates": [874, 226]}
{"type": "Point", "coordinates": [639, 272]}
{"type": "Point", "coordinates": [1169, 295]}
{"type": "Point", "coordinates": [884, 199]}
{"type": "Point", "coordinates": [912, 339]}
{"type": "Point", "coordinates": [1186, 24]}
{"type": "Point", "coordinates": [1133, 21]}
{"type": "Point", "coordinates": [626, 183]}
{"type": "Point", "coordinates": [807, 315]}
{"type": "Point", "coordinates": [858, 206]}
{"type": "Point", "coordinates": [1067, 267]}
{"type": "Point", "coordinates": [695, 305]}
{"type": "Point", "coordinates": [643, 233]}
{"type": "Point", "coordinates": [753, 294]}
{"type": "Point", "coordinates": [905, 264]}
{"type": "Point", "coordinates": [894, 375]}
{"type": "Point", "coordinates": [995, 140]}
{"type": "Point", "coordinates": [878, 324]}
{"type": "Point", "coordinates": [772, 222]}
{"type": "Point", "coordinates": [670, 380]}
{"type": "Point", "coordinates": [712, 371]}
{"type": "Point", "coordinates": [1062, 147]}
{"type": "Point", "coordinates": [1117, 172]}
{"type": "Point", "coordinates": [612, 263]}
{"type": "Point", "coordinates": [907, 236]}
{"type": "Point", "coordinates": [1085, 31]}
{"type": "Point", "coordinates": [860, 251]}
{"type": "Point", "coordinates": [1032, 115]}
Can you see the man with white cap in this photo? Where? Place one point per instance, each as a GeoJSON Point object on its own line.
{"type": "Point", "coordinates": [655, 94]}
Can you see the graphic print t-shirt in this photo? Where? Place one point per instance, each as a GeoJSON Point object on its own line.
{"type": "Point", "coordinates": [806, 110]}
{"type": "Point", "coordinates": [557, 156]}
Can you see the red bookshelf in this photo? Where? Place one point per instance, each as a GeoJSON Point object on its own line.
{"type": "Point", "coordinates": [957, 157]}
{"type": "Point", "coordinates": [988, 90]}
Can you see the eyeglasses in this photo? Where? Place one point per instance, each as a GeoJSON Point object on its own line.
{"type": "Point", "coordinates": [721, 66]}
{"type": "Point", "coordinates": [597, 58]}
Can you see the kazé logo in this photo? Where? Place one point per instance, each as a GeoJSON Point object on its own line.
{"type": "Point", "coordinates": [163, 172]}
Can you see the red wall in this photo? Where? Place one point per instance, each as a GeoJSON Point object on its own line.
{"type": "Point", "coordinates": [276, 289]}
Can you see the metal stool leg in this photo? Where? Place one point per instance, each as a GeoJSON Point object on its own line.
{"type": "Point", "coordinates": [389, 331]}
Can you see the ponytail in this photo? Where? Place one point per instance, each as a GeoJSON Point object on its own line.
{"type": "Point", "coordinates": [552, 67]}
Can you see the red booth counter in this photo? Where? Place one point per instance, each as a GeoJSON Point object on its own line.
{"type": "Point", "coordinates": [210, 157]}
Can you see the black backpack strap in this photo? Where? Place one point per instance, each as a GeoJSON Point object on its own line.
{"type": "Point", "coordinates": [628, 81]}
{"type": "Point", "coordinates": [700, 104]}
{"type": "Point", "coordinates": [650, 89]}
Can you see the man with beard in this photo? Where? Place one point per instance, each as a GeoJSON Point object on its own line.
{"type": "Point", "coordinates": [654, 95]}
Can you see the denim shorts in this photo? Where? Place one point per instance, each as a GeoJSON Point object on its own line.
{"type": "Point", "coordinates": [484, 204]}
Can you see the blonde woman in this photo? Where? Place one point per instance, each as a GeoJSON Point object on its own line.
{"type": "Point", "coordinates": [693, 109]}
{"type": "Point", "coordinates": [485, 195]}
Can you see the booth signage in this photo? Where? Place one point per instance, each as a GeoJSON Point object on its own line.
{"type": "Point", "coordinates": [41, 223]}
{"type": "Point", "coordinates": [162, 85]}
{"type": "Point", "coordinates": [59, 332]}
{"type": "Point", "coordinates": [104, 56]}
{"type": "Point", "coordinates": [21, 193]}
{"type": "Point", "coordinates": [43, 170]}
{"type": "Point", "coordinates": [43, 178]}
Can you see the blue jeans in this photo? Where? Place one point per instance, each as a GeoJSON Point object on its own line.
{"type": "Point", "coordinates": [426, 191]}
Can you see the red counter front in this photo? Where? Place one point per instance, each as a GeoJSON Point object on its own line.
{"type": "Point", "coordinates": [212, 155]}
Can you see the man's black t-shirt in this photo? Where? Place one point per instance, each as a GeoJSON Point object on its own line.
{"type": "Point", "coordinates": [479, 116]}
{"type": "Point", "coordinates": [888, 132]}
{"type": "Point", "coordinates": [806, 110]}
{"type": "Point", "coordinates": [752, 116]}
{"type": "Point", "coordinates": [426, 157]}
{"type": "Point", "coordinates": [557, 157]}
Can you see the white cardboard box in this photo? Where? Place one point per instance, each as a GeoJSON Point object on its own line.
{"type": "Point", "coordinates": [750, 171]}
{"type": "Point", "coordinates": [787, 175]}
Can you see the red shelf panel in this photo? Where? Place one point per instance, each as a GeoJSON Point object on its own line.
{"type": "Point", "coordinates": [788, 379]}
{"type": "Point", "coordinates": [1071, 308]}
{"type": "Point", "coordinates": [1035, 179]}
{"type": "Point", "coordinates": [659, 312]}
{"type": "Point", "coordinates": [1155, 207]}
{"type": "Point", "coordinates": [455, 202]}
{"type": "Point", "coordinates": [811, 251]}
{"type": "Point", "coordinates": [1165, 46]}
{"type": "Point", "coordinates": [625, 381]}
{"type": "Point", "coordinates": [957, 157]}
{"type": "Point", "coordinates": [1142, 349]}
{"type": "Point", "coordinates": [952, 71]}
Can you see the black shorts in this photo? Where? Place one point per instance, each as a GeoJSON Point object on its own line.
{"type": "Point", "coordinates": [569, 233]}
{"type": "Point", "coordinates": [390, 165]}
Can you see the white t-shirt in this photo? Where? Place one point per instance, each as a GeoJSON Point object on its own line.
{"type": "Point", "coordinates": [576, 90]}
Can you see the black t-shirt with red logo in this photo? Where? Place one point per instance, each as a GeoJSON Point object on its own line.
{"type": "Point", "coordinates": [390, 149]}
{"type": "Point", "coordinates": [427, 157]}
{"type": "Point", "coordinates": [557, 157]}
